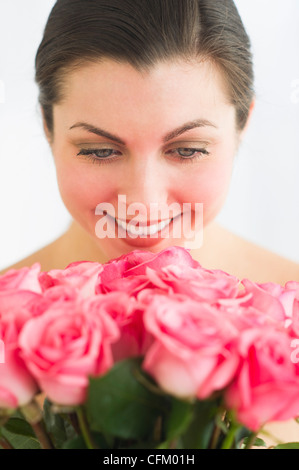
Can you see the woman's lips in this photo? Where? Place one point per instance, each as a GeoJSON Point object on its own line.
{"type": "Point", "coordinates": [142, 235]}
{"type": "Point", "coordinates": [143, 229]}
{"type": "Point", "coordinates": [141, 223]}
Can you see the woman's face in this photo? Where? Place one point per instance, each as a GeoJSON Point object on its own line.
{"type": "Point", "coordinates": [137, 141]}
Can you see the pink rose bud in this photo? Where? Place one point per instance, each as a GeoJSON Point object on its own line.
{"type": "Point", "coordinates": [266, 385]}
{"type": "Point", "coordinates": [129, 272]}
{"type": "Point", "coordinates": [193, 350]}
{"type": "Point", "coordinates": [68, 343]}
{"type": "Point", "coordinates": [82, 276]}
{"type": "Point", "coordinates": [17, 386]}
{"type": "Point", "coordinates": [21, 279]}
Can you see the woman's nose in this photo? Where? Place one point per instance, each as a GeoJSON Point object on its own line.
{"type": "Point", "coordinates": [146, 184]}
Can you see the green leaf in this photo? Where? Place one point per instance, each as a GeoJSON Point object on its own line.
{"type": "Point", "coordinates": [288, 445]}
{"type": "Point", "coordinates": [76, 443]}
{"type": "Point", "coordinates": [19, 433]}
{"type": "Point", "coordinates": [20, 427]}
{"type": "Point", "coordinates": [20, 442]}
{"type": "Point", "coordinates": [79, 443]}
{"type": "Point", "coordinates": [119, 405]}
{"type": "Point", "coordinates": [258, 442]}
{"type": "Point", "coordinates": [176, 421]}
{"type": "Point", "coordinates": [242, 436]}
{"type": "Point", "coordinates": [199, 432]}
{"type": "Point", "coordinates": [221, 423]}
{"type": "Point", "coordinates": [57, 425]}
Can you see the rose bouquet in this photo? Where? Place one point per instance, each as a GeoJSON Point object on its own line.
{"type": "Point", "coordinates": [146, 351]}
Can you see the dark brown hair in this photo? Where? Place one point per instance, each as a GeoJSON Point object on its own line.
{"type": "Point", "coordinates": [141, 33]}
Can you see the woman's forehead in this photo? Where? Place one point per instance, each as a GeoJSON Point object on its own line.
{"type": "Point", "coordinates": [118, 91]}
{"type": "Point", "coordinates": [163, 77]}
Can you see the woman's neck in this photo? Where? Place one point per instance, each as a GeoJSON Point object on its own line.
{"type": "Point", "coordinates": [81, 246]}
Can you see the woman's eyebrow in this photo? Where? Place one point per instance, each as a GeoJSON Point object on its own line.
{"type": "Point", "coordinates": [187, 127]}
{"type": "Point", "coordinates": [170, 135]}
{"type": "Point", "coordinates": [96, 130]}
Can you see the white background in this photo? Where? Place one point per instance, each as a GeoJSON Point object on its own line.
{"type": "Point", "coordinates": [262, 205]}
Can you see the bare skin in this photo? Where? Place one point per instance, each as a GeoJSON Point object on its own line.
{"type": "Point", "coordinates": [221, 250]}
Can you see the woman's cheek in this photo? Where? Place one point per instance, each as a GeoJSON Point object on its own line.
{"type": "Point", "coordinates": [216, 184]}
{"type": "Point", "coordinates": [82, 190]}
{"type": "Point", "coordinates": [210, 188]}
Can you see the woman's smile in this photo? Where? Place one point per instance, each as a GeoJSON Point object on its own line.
{"type": "Point", "coordinates": [142, 236]}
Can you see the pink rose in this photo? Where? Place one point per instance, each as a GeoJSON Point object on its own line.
{"type": "Point", "coordinates": [81, 276]}
{"type": "Point", "coordinates": [134, 340]}
{"type": "Point", "coordinates": [266, 385]}
{"type": "Point", "coordinates": [173, 270]}
{"type": "Point", "coordinates": [16, 307]}
{"type": "Point", "coordinates": [294, 317]}
{"type": "Point", "coordinates": [21, 279]}
{"type": "Point", "coordinates": [137, 261]}
{"type": "Point", "coordinates": [294, 325]}
{"type": "Point", "coordinates": [272, 299]}
{"type": "Point", "coordinates": [197, 282]}
{"type": "Point", "coordinates": [68, 343]}
{"type": "Point", "coordinates": [57, 293]}
{"type": "Point", "coordinates": [193, 350]}
{"type": "Point", "coordinates": [17, 387]}
{"type": "Point", "coordinates": [129, 272]}
{"type": "Point", "coordinates": [293, 285]}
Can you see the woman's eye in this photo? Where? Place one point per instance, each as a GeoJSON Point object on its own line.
{"type": "Point", "coordinates": [187, 152]}
{"type": "Point", "coordinates": [108, 155]}
{"type": "Point", "coordinates": [98, 153]}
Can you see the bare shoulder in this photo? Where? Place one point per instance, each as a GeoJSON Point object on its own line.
{"type": "Point", "coordinates": [265, 265]}
{"type": "Point", "coordinates": [246, 259]}
{"type": "Point", "coordinates": [69, 247]}
{"type": "Point", "coordinates": [48, 257]}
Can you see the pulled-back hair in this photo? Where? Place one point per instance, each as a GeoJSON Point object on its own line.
{"type": "Point", "coordinates": [142, 33]}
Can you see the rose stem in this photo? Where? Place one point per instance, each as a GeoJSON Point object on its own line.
{"type": "Point", "coordinates": [33, 414]}
{"type": "Point", "coordinates": [229, 439]}
{"type": "Point", "coordinates": [250, 440]}
{"type": "Point", "coordinates": [41, 435]}
{"type": "Point", "coordinates": [84, 429]}
{"type": "Point", "coordinates": [215, 436]}
{"type": "Point", "coordinates": [5, 444]}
